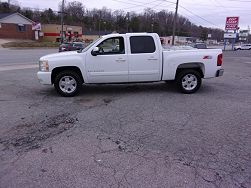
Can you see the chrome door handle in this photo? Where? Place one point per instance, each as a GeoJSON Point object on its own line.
{"type": "Point", "coordinates": [120, 60]}
{"type": "Point", "coordinates": [154, 59]}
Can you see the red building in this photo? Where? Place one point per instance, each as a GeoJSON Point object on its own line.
{"type": "Point", "coordinates": [15, 25]}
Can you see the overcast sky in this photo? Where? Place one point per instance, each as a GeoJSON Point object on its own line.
{"type": "Point", "coordinates": [210, 13]}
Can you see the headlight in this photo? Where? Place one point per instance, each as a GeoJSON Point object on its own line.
{"type": "Point", "coordinates": [43, 66]}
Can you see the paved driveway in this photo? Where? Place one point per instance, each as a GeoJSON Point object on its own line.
{"type": "Point", "coordinates": [137, 135]}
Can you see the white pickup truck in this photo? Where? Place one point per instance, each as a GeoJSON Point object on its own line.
{"type": "Point", "coordinates": [127, 58]}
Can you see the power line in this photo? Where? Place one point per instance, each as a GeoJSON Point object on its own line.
{"type": "Point", "coordinates": [171, 3]}
{"type": "Point", "coordinates": [195, 14]}
{"type": "Point", "coordinates": [192, 18]}
{"type": "Point", "coordinates": [154, 7]}
{"type": "Point", "coordinates": [242, 1]}
{"type": "Point", "coordinates": [135, 6]}
{"type": "Point", "coordinates": [130, 3]}
{"type": "Point", "coordinates": [142, 4]}
{"type": "Point", "coordinates": [198, 16]}
{"type": "Point", "coordinates": [219, 3]}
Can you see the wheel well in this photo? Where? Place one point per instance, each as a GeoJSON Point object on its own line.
{"type": "Point", "coordinates": [57, 70]}
{"type": "Point", "coordinates": [195, 66]}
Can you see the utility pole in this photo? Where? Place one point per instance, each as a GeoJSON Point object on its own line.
{"type": "Point", "coordinates": [127, 21]}
{"type": "Point", "coordinates": [99, 22]}
{"type": "Point", "coordinates": [175, 21]}
{"type": "Point", "coordinates": [9, 3]}
{"type": "Point", "coordinates": [62, 22]}
{"type": "Point", "coordinates": [104, 25]}
{"type": "Point", "coordinates": [152, 24]}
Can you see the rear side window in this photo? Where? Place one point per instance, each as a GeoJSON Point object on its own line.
{"type": "Point", "coordinates": [142, 44]}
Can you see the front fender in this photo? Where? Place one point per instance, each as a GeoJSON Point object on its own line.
{"type": "Point", "coordinates": [77, 60]}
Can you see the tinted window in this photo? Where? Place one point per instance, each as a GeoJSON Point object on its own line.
{"type": "Point", "coordinates": [201, 46]}
{"type": "Point", "coordinates": [142, 44]}
{"type": "Point", "coordinates": [112, 46]}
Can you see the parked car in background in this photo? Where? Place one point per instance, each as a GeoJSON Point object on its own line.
{"type": "Point", "coordinates": [199, 45]}
{"type": "Point", "coordinates": [71, 46]}
{"type": "Point", "coordinates": [243, 47]}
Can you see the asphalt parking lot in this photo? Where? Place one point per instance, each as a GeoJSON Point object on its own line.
{"type": "Point", "coordinates": [137, 135]}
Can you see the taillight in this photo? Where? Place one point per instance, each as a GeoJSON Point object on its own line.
{"type": "Point", "coordinates": [219, 60]}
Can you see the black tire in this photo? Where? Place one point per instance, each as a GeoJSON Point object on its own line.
{"type": "Point", "coordinates": [73, 76]}
{"type": "Point", "coordinates": [181, 81]}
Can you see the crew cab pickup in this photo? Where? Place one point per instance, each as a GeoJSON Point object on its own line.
{"type": "Point", "coordinates": [127, 58]}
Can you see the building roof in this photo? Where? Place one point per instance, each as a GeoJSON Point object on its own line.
{"type": "Point", "coordinates": [3, 15]}
{"type": "Point", "coordinates": [6, 15]}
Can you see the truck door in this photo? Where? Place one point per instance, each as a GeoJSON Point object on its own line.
{"type": "Point", "coordinates": [144, 59]}
{"type": "Point", "coordinates": [110, 65]}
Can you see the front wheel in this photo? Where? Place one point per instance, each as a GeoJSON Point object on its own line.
{"type": "Point", "coordinates": [188, 81]}
{"type": "Point", "coordinates": [68, 83]}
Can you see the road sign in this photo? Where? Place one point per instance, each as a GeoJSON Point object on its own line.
{"type": "Point", "coordinates": [232, 23]}
{"type": "Point", "coordinates": [36, 26]}
{"type": "Point", "coordinates": [230, 35]}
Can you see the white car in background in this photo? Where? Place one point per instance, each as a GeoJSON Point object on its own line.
{"type": "Point", "coordinates": [243, 47]}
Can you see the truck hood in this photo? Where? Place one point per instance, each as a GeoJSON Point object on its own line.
{"type": "Point", "coordinates": [56, 55]}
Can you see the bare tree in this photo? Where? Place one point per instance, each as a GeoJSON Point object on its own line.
{"type": "Point", "coordinates": [105, 19]}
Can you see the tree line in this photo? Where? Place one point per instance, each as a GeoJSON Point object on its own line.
{"type": "Point", "coordinates": [75, 13]}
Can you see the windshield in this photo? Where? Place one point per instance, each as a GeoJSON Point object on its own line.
{"type": "Point", "coordinates": [90, 45]}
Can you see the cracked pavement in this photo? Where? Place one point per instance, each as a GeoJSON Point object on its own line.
{"type": "Point", "coordinates": [135, 135]}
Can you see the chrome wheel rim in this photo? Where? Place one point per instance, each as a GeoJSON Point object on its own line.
{"type": "Point", "coordinates": [189, 82]}
{"type": "Point", "coordinates": [67, 84]}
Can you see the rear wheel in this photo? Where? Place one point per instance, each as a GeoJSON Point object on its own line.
{"type": "Point", "coordinates": [188, 81]}
{"type": "Point", "coordinates": [68, 83]}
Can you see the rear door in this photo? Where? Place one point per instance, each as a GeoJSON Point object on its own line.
{"type": "Point", "coordinates": [144, 59]}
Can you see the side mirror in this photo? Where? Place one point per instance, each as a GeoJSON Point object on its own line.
{"type": "Point", "coordinates": [95, 51]}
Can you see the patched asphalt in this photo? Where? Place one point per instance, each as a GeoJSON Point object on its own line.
{"type": "Point", "coordinates": [134, 135]}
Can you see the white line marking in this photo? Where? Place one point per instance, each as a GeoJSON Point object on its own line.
{"type": "Point", "coordinates": [17, 67]}
{"type": "Point", "coordinates": [247, 62]}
